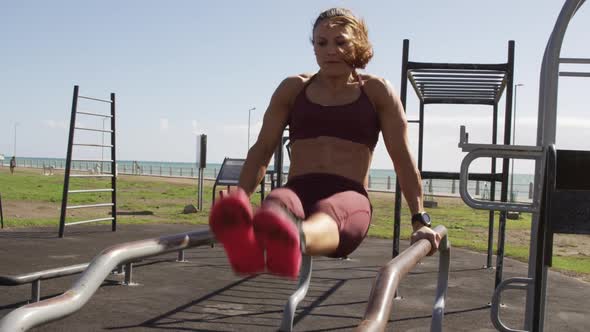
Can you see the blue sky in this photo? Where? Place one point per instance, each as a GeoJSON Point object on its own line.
{"type": "Point", "coordinates": [180, 68]}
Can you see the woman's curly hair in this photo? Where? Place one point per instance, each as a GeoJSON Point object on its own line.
{"type": "Point", "coordinates": [363, 50]}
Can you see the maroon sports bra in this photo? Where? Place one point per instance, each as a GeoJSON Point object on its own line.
{"type": "Point", "coordinates": [357, 121]}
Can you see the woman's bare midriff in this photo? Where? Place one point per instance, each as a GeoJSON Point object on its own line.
{"type": "Point", "coordinates": [330, 155]}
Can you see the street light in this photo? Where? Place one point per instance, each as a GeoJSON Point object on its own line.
{"type": "Point", "coordinates": [513, 141]}
{"type": "Point", "coordinates": [15, 124]}
{"type": "Point", "coordinates": [249, 112]}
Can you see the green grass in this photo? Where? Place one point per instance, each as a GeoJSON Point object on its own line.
{"type": "Point", "coordinates": [467, 227]}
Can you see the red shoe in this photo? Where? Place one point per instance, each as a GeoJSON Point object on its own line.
{"type": "Point", "coordinates": [231, 222]}
{"type": "Point", "coordinates": [278, 233]}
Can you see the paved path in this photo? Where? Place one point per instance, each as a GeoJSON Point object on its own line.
{"type": "Point", "coordinates": [204, 295]}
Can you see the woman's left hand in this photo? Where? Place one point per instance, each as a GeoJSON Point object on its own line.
{"type": "Point", "coordinates": [428, 234]}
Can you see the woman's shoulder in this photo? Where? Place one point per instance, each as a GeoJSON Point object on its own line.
{"type": "Point", "coordinates": [291, 86]}
{"type": "Point", "coordinates": [377, 87]}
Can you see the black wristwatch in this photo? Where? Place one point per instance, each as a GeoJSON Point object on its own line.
{"type": "Point", "coordinates": [423, 218]}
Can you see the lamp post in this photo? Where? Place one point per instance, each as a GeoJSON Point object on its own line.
{"type": "Point", "coordinates": [513, 142]}
{"type": "Point", "coordinates": [15, 124]}
{"type": "Point", "coordinates": [249, 114]}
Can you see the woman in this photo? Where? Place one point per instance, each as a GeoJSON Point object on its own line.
{"type": "Point", "coordinates": [334, 119]}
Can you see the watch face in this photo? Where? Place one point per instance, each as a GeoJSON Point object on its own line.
{"type": "Point", "coordinates": [426, 219]}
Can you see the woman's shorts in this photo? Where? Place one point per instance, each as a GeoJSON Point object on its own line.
{"type": "Point", "coordinates": [345, 200]}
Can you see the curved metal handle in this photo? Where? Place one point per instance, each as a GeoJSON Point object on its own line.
{"type": "Point", "coordinates": [493, 153]}
{"type": "Point", "coordinates": [521, 283]}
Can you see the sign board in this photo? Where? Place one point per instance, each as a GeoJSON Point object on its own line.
{"type": "Point", "coordinates": [229, 174]}
{"type": "Point", "coordinates": [201, 151]}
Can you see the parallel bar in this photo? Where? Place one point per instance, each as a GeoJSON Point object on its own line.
{"type": "Point", "coordinates": [388, 279]}
{"type": "Point", "coordinates": [91, 175]}
{"type": "Point", "coordinates": [31, 315]}
{"type": "Point", "coordinates": [22, 279]}
{"type": "Point", "coordinates": [96, 145]}
{"type": "Point", "coordinates": [88, 221]}
{"type": "Point", "coordinates": [574, 60]}
{"type": "Point", "coordinates": [416, 88]}
{"type": "Point", "coordinates": [94, 129]}
{"type": "Point", "coordinates": [88, 206]}
{"type": "Point", "coordinates": [469, 66]}
{"type": "Point", "coordinates": [95, 114]}
{"type": "Point", "coordinates": [113, 166]}
{"type": "Point", "coordinates": [95, 99]}
{"type": "Point", "coordinates": [459, 89]}
{"type": "Point", "coordinates": [574, 74]}
{"type": "Point", "coordinates": [90, 191]}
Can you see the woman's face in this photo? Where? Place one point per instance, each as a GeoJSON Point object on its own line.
{"type": "Point", "coordinates": [332, 46]}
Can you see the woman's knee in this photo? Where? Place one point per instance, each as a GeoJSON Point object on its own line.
{"type": "Point", "coordinates": [286, 198]}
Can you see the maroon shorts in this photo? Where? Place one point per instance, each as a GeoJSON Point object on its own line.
{"type": "Point", "coordinates": [345, 200]}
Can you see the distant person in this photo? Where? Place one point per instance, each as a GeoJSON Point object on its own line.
{"type": "Point", "coordinates": [334, 118]}
{"type": "Point", "coordinates": [12, 164]}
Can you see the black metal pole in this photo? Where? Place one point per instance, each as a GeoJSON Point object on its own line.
{"type": "Point", "coordinates": [505, 162]}
{"type": "Point", "coordinates": [64, 197]}
{"type": "Point", "coordinates": [492, 214]}
{"type": "Point", "coordinates": [398, 195]}
{"type": "Point", "coordinates": [113, 166]}
{"type": "Point", "coordinates": [1, 213]}
{"type": "Point", "coordinates": [420, 136]}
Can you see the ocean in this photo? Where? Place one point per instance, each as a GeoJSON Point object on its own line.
{"type": "Point", "coordinates": [379, 179]}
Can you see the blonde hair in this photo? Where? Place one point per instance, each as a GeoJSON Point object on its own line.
{"type": "Point", "coordinates": [362, 48]}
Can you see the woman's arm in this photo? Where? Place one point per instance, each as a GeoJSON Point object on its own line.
{"type": "Point", "coordinates": [394, 129]}
{"type": "Point", "coordinates": [273, 125]}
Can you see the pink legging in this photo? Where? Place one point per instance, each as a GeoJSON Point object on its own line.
{"type": "Point", "coordinates": [342, 199]}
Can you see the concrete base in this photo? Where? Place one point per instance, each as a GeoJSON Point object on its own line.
{"type": "Point", "coordinates": [513, 215]}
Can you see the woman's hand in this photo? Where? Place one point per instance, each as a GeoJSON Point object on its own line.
{"type": "Point", "coordinates": [423, 232]}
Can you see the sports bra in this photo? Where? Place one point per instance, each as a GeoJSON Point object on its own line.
{"type": "Point", "coordinates": [356, 121]}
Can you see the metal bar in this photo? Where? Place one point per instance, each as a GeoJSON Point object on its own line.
{"type": "Point", "coordinates": [95, 99]}
{"type": "Point", "coordinates": [88, 206]}
{"type": "Point", "coordinates": [64, 199]}
{"type": "Point", "coordinates": [89, 191]}
{"type": "Point", "coordinates": [505, 166]}
{"type": "Point", "coordinates": [31, 315]}
{"type": "Point", "coordinates": [458, 101]}
{"type": "Point", "coordinates": [492, 214]}
{"type": "Point", "coordinates": [459, 89]}
{"type": "Point", "coordinates": [459, 71]}
{"type": "Point", "coordinates": [421, 137]}
{"type": "Point", "coordinates": [181, 258]}
{"type": "Point", "coordinates": [459, 94]}
{"type": "Point", "coordinates": [469, 66]}
{"type": "Point", "coordinates": [1, 213]}
{"type": "Point", "coordinates": [451, 85]}
{"type": "Point", "coordinates": [416, 87]}
{"type": "Point", "coordinates": [95, 145]}
{"type": "Point", "coordinates": [95, 114]}
{"type": "Point", "coordinates": [388, 279]}
{"type": "Point", "coordinates": [22, 279]}
{"type": "Point", "coordinates": [519, 283]}
{"type": "Point", "coordinates": [459, 80]}
{"type": "Point", "coordinates": [36, 291]}
{"type": "Point", "coordinates": [574, 60]}
{"type": "Point", "coordinates": [493, 76]}
{"type": "Point", "coordinates": [88, 221]}
{"type": "Point", "coordinates": [91, 175]}
{"type": "Point", "coordinates": [128, 274]}
{"type": "Point", "coordinates": [298, 295]}
{"type": "Point", "coordinates": [94, 129]}
{"type": "Point", "coordinates": [113, 166]}
{"type": "Point", "coordinates": [398, 194]}
{"type": "Point", "coordinates": [92, 160]}
{"type": "Point", "coordinates": [574, 74]}
{"type": "Point", "coordinates": [444, 264]}
{"type": "Point", "coordinates": [456, 176]}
